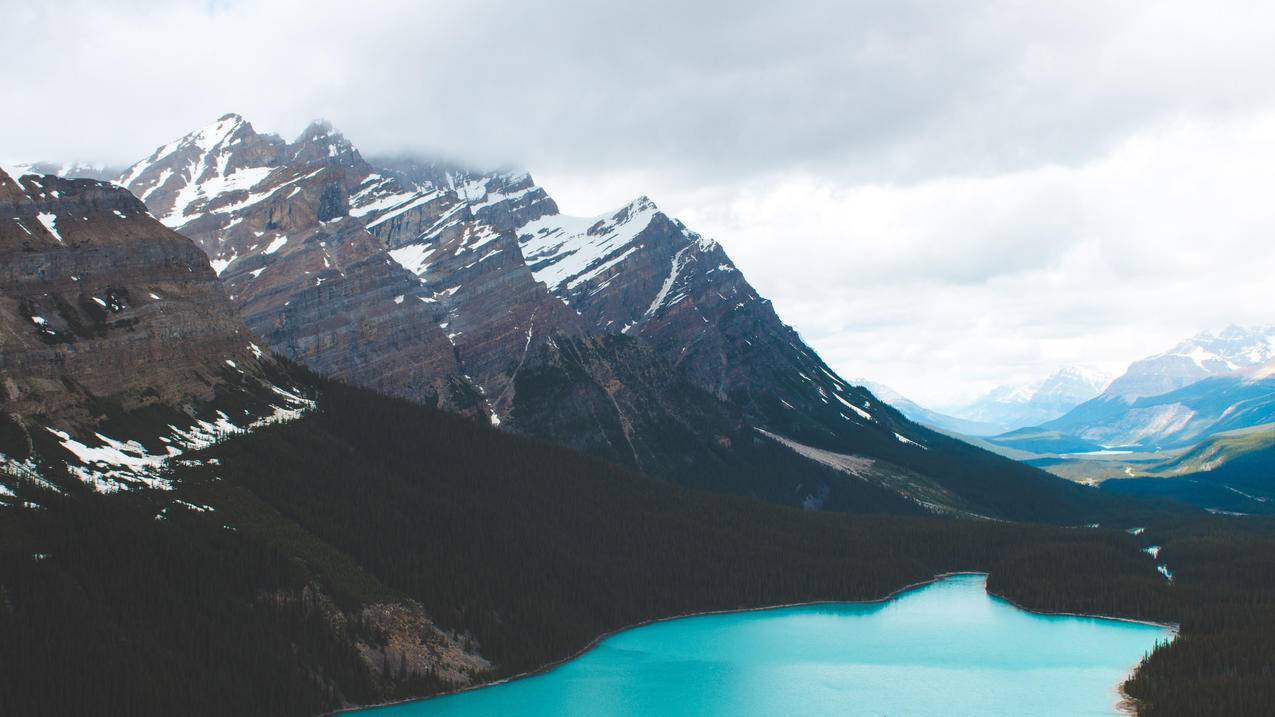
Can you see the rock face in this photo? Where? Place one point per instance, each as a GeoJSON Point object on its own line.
{"type": "Point", "coordinates": [627, 335]}
{"type": "Point", "coordinates": [638, 272]}
{"type": "Point", "coordinates": [105, 314]}
{"type": "Point", "coordinates": [100, 300]}
{"type": "Point", "coordinates": [495, 313]}
{"type": "Point", "coordinates": [274, 218]}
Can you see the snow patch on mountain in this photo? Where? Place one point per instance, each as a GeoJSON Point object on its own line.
{"type": "Point", "coordinates": [1230, 349]}
{"type": "Point", "coordinates": [1235, 349]}
{"type": "Point", "coordinates": [110, 465]}
{"type": "Point", "coordinates": [566, 251]}
{"type": "Point", "coordinates": [50, 222]}
{"type": "Point", "coordinates": [413, 257]}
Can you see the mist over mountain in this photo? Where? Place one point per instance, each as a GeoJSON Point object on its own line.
{"type": "Point", "coordinates": [627, 335]}
{"type": "Point", "coordinates": [1011, 407]}
{"type": "Point", "coordinates": [926, 416]}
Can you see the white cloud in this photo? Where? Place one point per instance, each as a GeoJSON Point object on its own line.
{"type": "Point", "coordinates": [939, 195]}
{"type": "Point", "coordinates": [947, 287]}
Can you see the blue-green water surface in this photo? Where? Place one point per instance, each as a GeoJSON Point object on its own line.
{"type": "Point", "coordinates": [944, 649]}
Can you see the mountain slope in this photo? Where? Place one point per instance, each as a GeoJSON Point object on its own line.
{"type": "Point", "coordinates": [635, 338]}
{"type": "Point", "coordinates": [1208, 384]}
{"type": "Point", "coordinates": [1229, 473]}
{"type": "Point", "coordinates": [639, 272]}
{"type": "Point", "coordinates": [1218, 450]}
{"type": "Point", "coordinates": [273, 218]}
{"type": "Point", "coordinates": [1171, 420]}
{"type": "Point", "coordinates": [925, 416]}
{"type": "Point", "coordinates": [1233, 350]}
{"type": "Point", "coordinates": [108, 318]}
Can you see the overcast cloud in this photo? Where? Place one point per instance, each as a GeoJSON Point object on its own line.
{"type": "Point", "coordinates": [939, 196]}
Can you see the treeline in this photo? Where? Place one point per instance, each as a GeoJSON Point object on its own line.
{"type": "Point", "coordinates": [1222, 595]}
{"type": "Point", "coordinates": [530, 550]}
{"type": "Point", "coordinates": [1242, 484]}
{"type": "Point", "coordinates": [1224, 581]}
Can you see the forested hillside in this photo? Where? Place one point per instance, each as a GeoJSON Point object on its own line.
{"type": "Point", "coordinates": [378, 549]}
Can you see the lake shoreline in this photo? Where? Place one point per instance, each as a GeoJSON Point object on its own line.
{"type": "Point", "coordinates": [705, 613]}
{"type": "Point", "coordinates": [1125, 704]}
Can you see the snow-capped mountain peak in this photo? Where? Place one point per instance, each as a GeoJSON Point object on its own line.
{"type": "Point", "coordinates": [186, 175]}
{"type": "Point", "coordinates": [565, 252]}
{"type": "Point", "coordinates": [1232, 350]}
{"type": "Point", "coordinates": [320, 142]}
{"type": "Point", "coordinates": [1016, 406]}
{"type": "Point", "coordinates": [1079, 383]}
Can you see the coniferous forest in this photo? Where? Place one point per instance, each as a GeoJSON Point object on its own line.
{"type": "Point", "coordinates": [260, 585]}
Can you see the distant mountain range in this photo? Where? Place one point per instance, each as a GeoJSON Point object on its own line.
{"type": "Point", "coordinates": [1205, 385]}
{"type": "Point", "coordinates": [1004, 408]}
{"type": "Point", "coordinates": [1011, 407]}
{"type": "Point", "coordinates": [925, 416]}
{"type": "Point", "coordinates": [1232, 351]}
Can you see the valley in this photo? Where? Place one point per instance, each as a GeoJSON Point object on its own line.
{"type": "Point", "coordinates": [304, 431]}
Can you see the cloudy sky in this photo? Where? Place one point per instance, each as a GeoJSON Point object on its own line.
{"type": "Point", "coordinates": [941, 196]}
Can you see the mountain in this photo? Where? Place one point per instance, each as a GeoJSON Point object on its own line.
{"type": "Point", "coordinates": [638, 272]}
{"type": "Point", "coordinates": [175, 501]}
{"type": "Point", "coordinates": [1012, 407]}
{"type": "Point", "coordinates": [1170, 420]}
{"type": "Point", "coordinates": [1212, 383]}
{"type": "Point", "coordinates": [120, 350]}
{"type": "Point", "coordinates": [273, 218]}
{"type": "Point", "coordinates": [627, 335]}
{"type": "Point", "coordinates": [1230, 351]}
{"type": "Point", "coordinates": [326, 257]}
{"type": "Point", "coordinates": [1232, 472]}
{"type": "Point", "coordinates": [1218, 450]}
{"type": "Point", "coordinates": [925, 416]}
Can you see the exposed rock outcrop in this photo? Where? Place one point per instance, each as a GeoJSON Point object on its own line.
{"type": "Point", "coordinates": [98, 301]}
{"type": "Point", "coordinates": [118, 346]}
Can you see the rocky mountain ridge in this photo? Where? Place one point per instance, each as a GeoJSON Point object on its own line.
{"type": "Point", "coordinates": [120, 348]}
{"type": "Point", "coordinates": [1232, 350]}
{"type": "Point", "coordinates": [627, 335]}
{"type": "Point", "coordinates": [1207, 384]}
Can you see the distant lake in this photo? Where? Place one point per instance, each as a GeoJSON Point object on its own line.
{"type": "Point", "coordinates": [947, 648]}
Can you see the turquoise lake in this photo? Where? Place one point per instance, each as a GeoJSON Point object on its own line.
{"type": "Point", "coordinates": [947, 648]}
